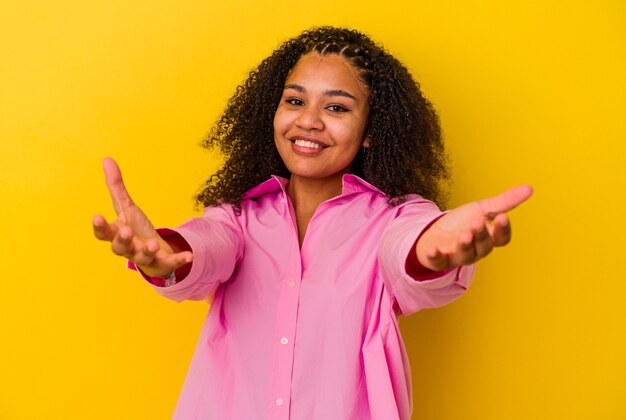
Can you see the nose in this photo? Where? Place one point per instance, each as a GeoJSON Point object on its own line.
{"type": "Point", "coordinates": [310, 118]}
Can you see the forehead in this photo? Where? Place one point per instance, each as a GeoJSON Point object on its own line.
{"type": "Point", "coordinates": [329, 71]}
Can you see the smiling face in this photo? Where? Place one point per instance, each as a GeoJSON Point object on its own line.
{"type": "Point", "coordinates": [319, 125]}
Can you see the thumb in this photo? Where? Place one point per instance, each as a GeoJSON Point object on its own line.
{"type": "Point", "coordinates": [115, 184]}
{"type": "Point", "coordinates": [506, 201]}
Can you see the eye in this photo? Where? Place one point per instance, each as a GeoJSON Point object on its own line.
{"type": "Point", "coordinates": [294, 101]}
{"type": "Point", "coordinates": [337, 108]}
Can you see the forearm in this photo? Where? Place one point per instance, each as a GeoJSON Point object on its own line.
{"type": "Point", "coordinates": [216, 243]}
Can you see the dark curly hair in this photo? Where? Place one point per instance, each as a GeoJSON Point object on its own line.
{"type": "Point", "coordinates": [406, 153]}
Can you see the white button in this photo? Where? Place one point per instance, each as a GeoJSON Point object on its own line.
{"type": "Point", "coordinates": [279, 402]}
{"type": "Point", "coordinates": [284, 340]}
{"type": "Point", "coordinates": [292, 284]}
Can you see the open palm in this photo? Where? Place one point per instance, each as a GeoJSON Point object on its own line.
{"type": "Point", "coordinates": [469, 232]}
{"type": "Point", "coordinates": [132, 235]}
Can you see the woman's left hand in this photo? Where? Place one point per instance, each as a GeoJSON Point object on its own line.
{"type": "Point", "coordinates": [469, 232]}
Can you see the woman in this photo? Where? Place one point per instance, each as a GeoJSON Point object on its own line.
{"type": "Point", "coordinates": [314, 237]}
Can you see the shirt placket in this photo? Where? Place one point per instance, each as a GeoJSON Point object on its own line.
{"type": "Point", "coordinates": [285, 334]}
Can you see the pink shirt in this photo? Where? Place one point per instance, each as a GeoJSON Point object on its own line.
{"type": "Point", "coordinates": [312, 332]}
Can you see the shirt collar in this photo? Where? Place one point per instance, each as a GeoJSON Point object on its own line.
{"type": "Point", "coordinates": [353, 183]}
{"type": "Point", "coordinates": [350, 184]}
{"type": "Point", "coordinates": [274, 184]}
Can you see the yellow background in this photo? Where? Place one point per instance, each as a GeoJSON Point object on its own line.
{"type": "Point", "coordinates": [528, 92]}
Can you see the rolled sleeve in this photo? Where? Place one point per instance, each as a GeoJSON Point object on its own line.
{"type": "Point", "coordinates": [216, 242]}
{"type": "Point", "coordinates": [412, 294]}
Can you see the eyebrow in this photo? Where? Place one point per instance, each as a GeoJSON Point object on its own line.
{"type": "Point", "coordinates": [330, 92]}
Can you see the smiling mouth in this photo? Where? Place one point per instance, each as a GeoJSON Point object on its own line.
{"type": "Point", "coordinates": [306, 143]}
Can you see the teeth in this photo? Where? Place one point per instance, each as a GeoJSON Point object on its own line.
{"type": "Point", "coordinates": [305, 143]}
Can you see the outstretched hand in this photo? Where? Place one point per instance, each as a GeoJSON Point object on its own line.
{"type": "Point", "coordinates": [132, 235]}
{"type": "Point", "coordinates": [469, 232]}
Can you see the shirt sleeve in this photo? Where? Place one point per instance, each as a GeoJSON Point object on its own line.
{"type": "Point", "coordinates": [412, 294]}
{"type": "Point", "coordinates": [216, 242]}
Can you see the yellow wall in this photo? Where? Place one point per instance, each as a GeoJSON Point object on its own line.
{"type": "Point", "coordinates": [528, 92]}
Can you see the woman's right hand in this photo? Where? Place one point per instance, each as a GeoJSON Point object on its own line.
{"type": "Point", "coordinates": [132, 235]}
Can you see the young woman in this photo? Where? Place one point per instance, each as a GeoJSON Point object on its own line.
{"type": "Point", "coordinates": [317, 233]}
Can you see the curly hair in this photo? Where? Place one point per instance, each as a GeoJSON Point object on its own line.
{"type": "Point", "coordinates": [406, 153]}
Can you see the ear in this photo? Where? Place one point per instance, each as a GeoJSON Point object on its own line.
{"type": "Point", "coordinates": [366, 142]}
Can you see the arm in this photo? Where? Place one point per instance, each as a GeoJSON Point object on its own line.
{"type": "Point", "coordinates": [212, 242]}
{"type": "Point", "coordinates": [216, 241]}
{"type": "Point", "coordinates": [427, 256]}
{"type": "Point", "coordinates": [415, 287]}
{"type": "Point", "coordinates": [467, 233]}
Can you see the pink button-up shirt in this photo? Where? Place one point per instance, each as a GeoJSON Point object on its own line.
{"type": "Point", "coordinates": [306, 332]}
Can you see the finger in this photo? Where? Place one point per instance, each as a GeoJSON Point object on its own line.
{"type": "Point", "coordinates": [162, 264]}
{"type": "Point", "coordinates": [181, 258]}
{"type": "Point", "coordinates": [152, 246]}
{"type": "Point", "coordinates": [144, 253]}
{"type": "Point", "coordinates": [506, 201]}
{"type": "Point", "coordinates": [122, 243]}
{"type": "Point", "coordinates": [483, 242]}
{"type": "Point", "coordinates": [152, 255]}
{"type": "Point", "coordinates": [436, 260]}
{"type": "Point", "coordinates": [113, 178]}
{"type": "Point", "coordinates": [103, 230]}
{"type": "Point", "coordinates": [465, 252]}
{"type": "Point", "coordinates": [501, 230]}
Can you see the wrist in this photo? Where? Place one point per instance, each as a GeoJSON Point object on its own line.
{"type": "Point", "coordinates": [150, 272]}
{"type": "Point", "coordinates": [161, 280]}
{"type": "Point", "coordinates": [170, 279]}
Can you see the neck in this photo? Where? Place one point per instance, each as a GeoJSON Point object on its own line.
{"type": "Point", "coordinates": [307, 194]}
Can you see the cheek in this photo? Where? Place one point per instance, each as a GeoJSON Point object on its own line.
{"type": "Point", "coordinates": [281, 121]}
{"type": "Point", "coordinates": [278, 133]}
{"type": "Point", "coordinates": [352, 137]}
{"type": "Point", "coordinates": [276, 121]}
